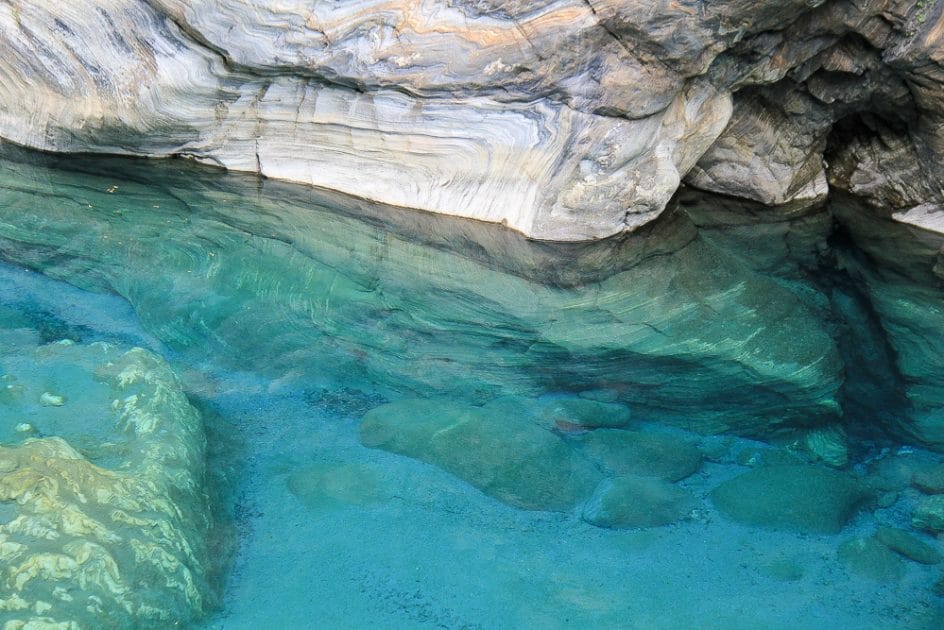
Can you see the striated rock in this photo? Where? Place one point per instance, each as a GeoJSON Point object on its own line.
{"type": "Point", "coordinates": [828, 445]}
{"type": "Point", "coordinates": [116, 537]}
{"type": "Point", "coordinates": [801, 498]}
{"type": "Point", "coordinates": [564, 119]}
{"type": "Point", "coordinates": [628, 502]}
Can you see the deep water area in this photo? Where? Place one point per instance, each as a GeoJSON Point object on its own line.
{"type": "Point", "coordinates": [227, 402]}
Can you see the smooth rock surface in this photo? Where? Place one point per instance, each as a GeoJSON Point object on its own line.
{"type": "Point", "coordinates": [908, 545]}
{"type": "Point", "coordinates": [564, 119]}
{"type": "Point", "coordinates": [801, 498]}
{"type": "Point", "coordinates": [629, 501]}
{"type": "Point", "coordinates": [640, 453]}
{"type": "Point", "coordinates": [513, 461]}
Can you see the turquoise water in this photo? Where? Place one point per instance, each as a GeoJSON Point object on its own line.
{"type": "Point", "coordinates": [417, 422]}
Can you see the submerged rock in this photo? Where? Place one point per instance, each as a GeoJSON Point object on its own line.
{"type": "Point", "coordinates": [630, 501]}
{"type": "Point", "coordinates": [571, 413]}
{"type": "Point", "coordinates": [908, 545]}
{"type": "Point", "coordinates": [930, 480]}
{"type": "Point", "coordinates": [801, 498]}
{"type": "Point", "coordinates": [508, 458]}
{"type": "Point", "coordinates": [929, 514]}
{"type": "Point", "coordinates": [829, 445]}
{"type": "Point", "coordinates": [641, 453]}
{"type": "Point", "coordinates": [120, 542]}
{"type": "Point", "coordinates": [870, 558]}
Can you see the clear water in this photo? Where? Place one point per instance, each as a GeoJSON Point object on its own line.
{"type": "Point", "coordinates": [288, 315]}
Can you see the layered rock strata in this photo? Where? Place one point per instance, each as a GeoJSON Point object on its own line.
{"type": "Point", "coordinates": [564, 119]}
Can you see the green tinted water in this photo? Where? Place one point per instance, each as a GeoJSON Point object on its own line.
{"type": "Point", "coordinates": [422, 422]}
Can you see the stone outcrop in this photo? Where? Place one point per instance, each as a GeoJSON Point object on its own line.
{"type": "Point", "coordinates": [563, 119]}
{"type": "Point", "coordinates": [104, 516]}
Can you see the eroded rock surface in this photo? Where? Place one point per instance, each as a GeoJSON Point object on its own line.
{"type": "Point", "coordinates": [564, 119]}
{"type": "Point", "coordinates": [114, 535]}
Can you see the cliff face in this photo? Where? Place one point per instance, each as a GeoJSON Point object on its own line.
{"type": "Point", "coordinates": [566, 120]}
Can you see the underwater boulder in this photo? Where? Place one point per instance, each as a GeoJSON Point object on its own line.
{"type": "Point", "coordinates": [908, 545]}
{"type": "Point", "coordinates": [115, 535]}
{"type": "Point", "coordinates": [509, 458]}
{"type": "Point", "coordinates": [871, 559]}
{"type": "Point", "coordinates": [930, 480]}
{"type": "Point", "coordinates": [646, 454]}
{"type": "Point", "coordinates": [794, 497]}
{"type": "Point", "coordinates": [929, 515]}
{"type": "Point", "coordinates": [634, 502]}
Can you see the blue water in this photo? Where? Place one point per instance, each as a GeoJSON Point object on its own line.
{"type": "Point", "coordinates": [316, 530]}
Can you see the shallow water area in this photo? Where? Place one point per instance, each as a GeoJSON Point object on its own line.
{"type": "Point", "coordinates": [383, 411]}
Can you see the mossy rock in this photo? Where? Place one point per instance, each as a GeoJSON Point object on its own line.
{"type": "Point", "coordinates": [618, 452]}
{"type": "Point", "coordinates": [870, 558]}
{"type": "Point", "coordinates": [797, 498]}
{"type": "Point", "coordinates": [508, 458]}
{"type": "Point", "coordinates": [908, 545]}
{"type": "Point", "coordinates": [929, 515]}
{"type": "Point", "coordinates": [634, 502]}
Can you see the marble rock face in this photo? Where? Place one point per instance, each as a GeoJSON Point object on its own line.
{"type": "Point", "coordinates": [563, 119]}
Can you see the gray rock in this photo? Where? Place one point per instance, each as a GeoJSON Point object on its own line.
{"type": "Point", "coordinates": [563, 119]}
{"type": "Point", "coordinates": [641, 453]}
{"type": "Point", "coordinates": [629, 501]}
{"type": "Point", "coordinates": [908, 545]}
{"type": "Point", "coordinates": [514, 461]}
{"type": "Point", "coordinates": [800, 498]}
{"type": "Point", "coordinates": [929, 515]}
{"type": "Point", "coordinates": [930, 480]}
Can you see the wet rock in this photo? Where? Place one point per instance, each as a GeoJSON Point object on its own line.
{"type": "Point", "coordinates": [870, 558]}
{"type": "Point", "coordinates": [929, 515]}
{"type": "Point", "coordinates": [930, 480]}
{"type": "Point", "coordinates": [630, 501]}
{"type": "Point", "coordinates": [641, 453]}
{"type": "Point", "coordinates": [124, 545]}
{"type": "Point", "coordinates": [800, 498]}
{"type": "Point", "coordinates": [908, 545]}
{"type": "Point", "coordinates": [569, 413]}
{"type": "Point", "coordinates": [508, 458]}
{"type": "Point", "coordinates": [829, 445]}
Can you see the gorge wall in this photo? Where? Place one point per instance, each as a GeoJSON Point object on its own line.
{"type": "Point", "coordinates": [565, 120]}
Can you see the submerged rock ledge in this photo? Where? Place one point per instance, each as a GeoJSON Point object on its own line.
{"type": "Point", "coordinates": [564, 119]}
